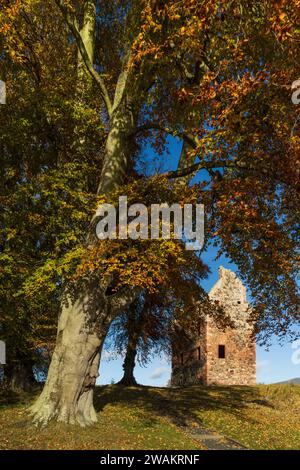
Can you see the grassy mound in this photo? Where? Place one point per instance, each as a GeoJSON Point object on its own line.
{"type": "Point", "coordinates": [260, 417]}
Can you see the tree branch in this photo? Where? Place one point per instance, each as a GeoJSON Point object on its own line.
{"type": "Point", "coordinates": [121, 84]}
{"type": "Point", "coordinates": [195, 167]}
{"type": "Point", "coordinates": [73, 26]}
{"type": "Point", "coordinates": [122, 298]}
{"type": "Point", "coordinates": [183, 135]}
{"type": "Point", "coordinates": [184, 171]}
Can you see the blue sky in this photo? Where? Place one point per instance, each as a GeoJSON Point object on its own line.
{"type": "Point", "coordinates": [273, 365]}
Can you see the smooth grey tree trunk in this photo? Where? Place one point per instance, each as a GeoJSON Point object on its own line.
{"type": "Point", "coordinates": [67, 394]}
{"type": "Point", "coordinates": [85, 317]}
{"type": "Point", "coordinates": [86, 313]}
{"type": "Point", "coordinates": [87, 309]}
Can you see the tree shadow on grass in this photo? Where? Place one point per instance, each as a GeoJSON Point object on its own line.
{"type": "Point", "coordinates": [9, 397]}
{"type": "Point", "coordinates": [180, 405]}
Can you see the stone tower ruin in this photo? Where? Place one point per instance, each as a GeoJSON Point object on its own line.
{"type": "Point", "coordinates": [219, 356]}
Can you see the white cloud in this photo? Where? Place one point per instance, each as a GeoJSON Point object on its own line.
{"type": "Point", "coordinates": [109, 356]}
{"type": "Point", "coordinates": [263, 367]}
{"type": "Point", "coordinates": [158, 373]}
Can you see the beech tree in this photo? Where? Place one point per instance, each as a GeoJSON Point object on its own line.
{"type": "Point", "coordinates": [142, 331]}
{"type": "Point", "coordinates": [217, 76]}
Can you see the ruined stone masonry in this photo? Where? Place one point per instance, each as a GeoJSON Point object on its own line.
{"type": "Point", "coordinates": [216, 356]}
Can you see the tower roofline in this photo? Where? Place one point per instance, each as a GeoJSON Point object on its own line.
{"type": "Point", "coordinates": [228, 282]}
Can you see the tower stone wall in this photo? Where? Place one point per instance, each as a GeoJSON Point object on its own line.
{"type": "Point", "coordinates": [219, 356]}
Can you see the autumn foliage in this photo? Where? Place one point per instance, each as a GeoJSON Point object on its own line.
{"type": "Point", "coordinates": [216, 76]}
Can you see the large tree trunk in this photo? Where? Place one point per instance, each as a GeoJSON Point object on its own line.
{"type": "Point", "coordinates": [73, 370]}
{"type": "Point", "coordinates": [88, 308]}
{"type": "Point", "coordinates": [133, 325]}
{"type": "Point", "coordinates": [86, 314]}
{"type": "Point", "coordinates": [83, 323]}
{"type": "Point", "coordinates": [128, 378]}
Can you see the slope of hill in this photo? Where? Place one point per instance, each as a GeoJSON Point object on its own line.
{"type": "Point", "coordinates": [259, 417]}
{"type": "Point", "coordinates": [295, 381]}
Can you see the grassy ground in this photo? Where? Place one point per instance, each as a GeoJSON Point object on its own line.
{"type": "Point", "coordinates": [261, 417]}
